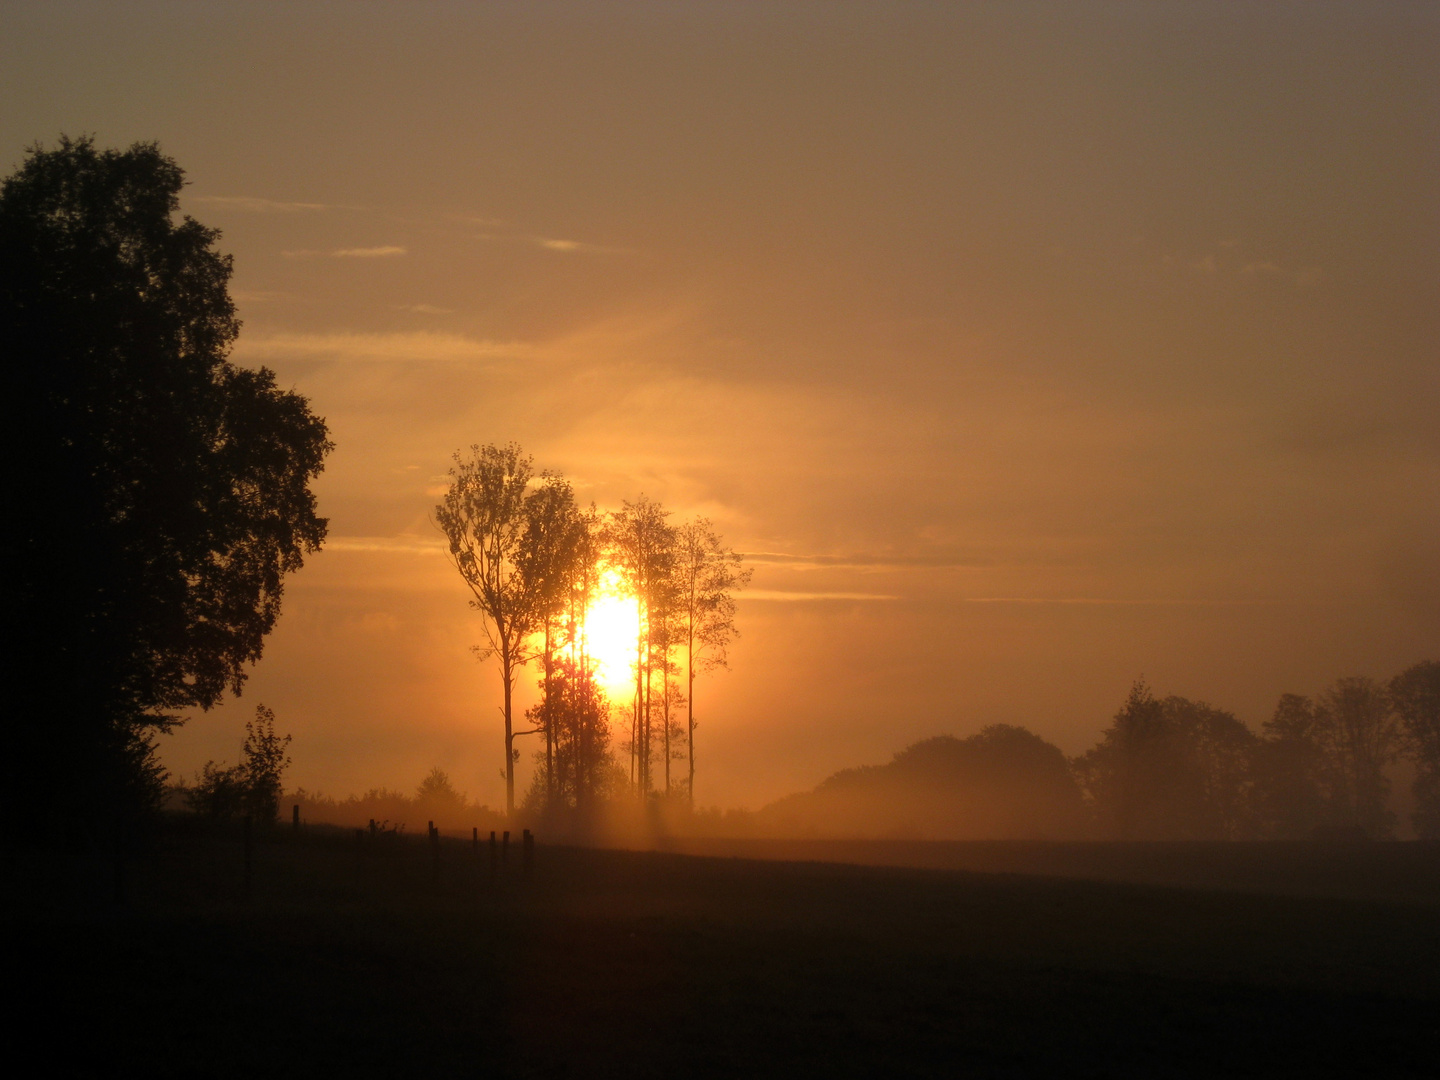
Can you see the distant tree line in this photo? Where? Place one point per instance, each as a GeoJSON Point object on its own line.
{"type": "Point", "coordinates": [1174, 768]}
{"type": "Point", "coordinates": [1165, 769]}
{"type": "Point", "coordinates": [1002, 783]}
{"type": "Point", "coordinates": [434, 799]}
{"type": "Point", "coordinates": [536, 564]}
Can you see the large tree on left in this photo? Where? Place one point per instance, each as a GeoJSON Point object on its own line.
{"type": "Point", "coordinates": [155, 494]}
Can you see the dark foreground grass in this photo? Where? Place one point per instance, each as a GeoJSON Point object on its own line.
{"type": "Point", "coordinates": [355, 960]}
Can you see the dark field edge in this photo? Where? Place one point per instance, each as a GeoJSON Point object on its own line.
{"type": "Point", "coordinates": [386, 961]}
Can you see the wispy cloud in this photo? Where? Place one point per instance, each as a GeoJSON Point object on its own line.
{"type": "Point", "coordinates": [482, 222]}
{"type": "Point", "coordinates": [1226, 262]}
{"type": "Point", "coordinates": [390, 348]}
{"type": "Point", "coordinates": [1098, 601]}
{"type": "Point", "coordinates": [770, 595]}
{"type": "Point", "coordinates": [551, 243]}
{"type": "Point", "coordinates": [251, 205]}
{"type": "Point", "coordinates": [424, 309]}
{"type": "Point", "coordinates": [382, 252]}
{"type": "Point", "coordinates": [863, 561]}
{"type": "Point", "coordinates": [410, 545]}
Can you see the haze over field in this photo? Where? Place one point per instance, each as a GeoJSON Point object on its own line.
{"type": "Point", "coordinates": [1022, 349]}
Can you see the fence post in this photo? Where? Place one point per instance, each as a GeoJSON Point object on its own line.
{"type": "Point", "coordinates": [475, 841]}
{"type": "Point", "coordinates": [494, 853]}
{"type": "Point", "coordinates": [247, 846]}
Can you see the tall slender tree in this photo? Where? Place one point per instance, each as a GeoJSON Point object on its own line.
{"type": "Point", "coordinates": [641, 547]}
{"type": "Point", "coordinates": [707, 577]}
{"type": "Point", "coordinates": [548, 553]}
{"type": "Point", "coordinates": [489, 516]}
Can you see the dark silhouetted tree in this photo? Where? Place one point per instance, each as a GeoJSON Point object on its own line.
{"type": "Point", "coordinates": [1170, 769]}
{"type": "Point", "coordinates": [1415, 696]}
{"type": "Point", "coordinates": [641, 545]}
{"type": "Point", "coordinates": [252, 787]}
{"type": "Point", "coordinates": [1295, 790]}
{"type": "Point", "coordinates": [489, 515]}
{"type": "Point", "coordinates": [707, 576]}
{"type": "Point", "coordinates": [264, 759]}
{"type": "Point", "coordinates": [554, 541]}
{"type": "Point", "coordinates": [156, 495]}
{"type": "Point", "coordinates": [573, 711]}
{"type": "Point", "coordinates": [1360, 734]}
{"type": "Point", "coordinates": [437, 800]}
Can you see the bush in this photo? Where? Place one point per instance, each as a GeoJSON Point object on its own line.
{"type": "Point", "coordinates": [251, 788]}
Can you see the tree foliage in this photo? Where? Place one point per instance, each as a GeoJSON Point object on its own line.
{"type": "Point", "coordinates": [1415, 697]}
{"type": "Point", "coordinates": [503, 541]}
{"type": "Point", "coordinates": [707, 577]}
{"type": "Point", "coordinates": [1170, 768]}
{"type": "Point", "coordinates": [253, 787]}
{"type": "Point", "coordinates": [157, 494]}
{"type": "Point", "coordinates": [534, 563]}
{"type": "Point", "coordinates": [640, 543]}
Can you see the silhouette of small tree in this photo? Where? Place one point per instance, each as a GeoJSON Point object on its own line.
{"type": "Point", "coordinates": [252, 787]}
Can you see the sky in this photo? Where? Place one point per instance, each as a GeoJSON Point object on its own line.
{"type": "Point", "coordinates": [1024, 349]}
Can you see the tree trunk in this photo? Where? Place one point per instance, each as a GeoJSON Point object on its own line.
{"type": "Point", "coordinates": [690, 712]}
{"type": "Point", "coordinates": [509, 679]}
{"type": "Point", "coordinates": [548, 712]}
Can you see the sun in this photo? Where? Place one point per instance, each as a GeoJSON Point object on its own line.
{"type": "Point", "coordinates": [611, 627]}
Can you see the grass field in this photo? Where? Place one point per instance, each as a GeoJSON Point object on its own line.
{"type": "Point", "coordinates": [358, 959]}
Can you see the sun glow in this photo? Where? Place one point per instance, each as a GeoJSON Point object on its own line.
{"type": "Point", "coordinates": [611, 627]}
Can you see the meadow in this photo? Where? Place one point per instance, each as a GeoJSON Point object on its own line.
{"type": "Point", "coordinates": [394, 955]}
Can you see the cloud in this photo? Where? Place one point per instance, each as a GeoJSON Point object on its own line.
{"type": "Point", "coordinates": [404, 348]}
{"type": "Point", "coordinates": [251, 205]}
{"type": "Point", "coordinates": [408, 545]}
{"type": "Point", "coordinates": [863, 561]}
{"type": "Point", "coordinates": [550, 243]}
{"type": "Point", "coordinates": [368, 252]}
{"type": "Point", "coordinates": [777, 595]}
{"type": "Point", "coordinates": [382, 252]}
{"type": "Point", "coordinates": [482, 222]}
{"type": "Point", "coordinates": [424, 309]}
{"type": "Point", "coordinates": [1096, 601]}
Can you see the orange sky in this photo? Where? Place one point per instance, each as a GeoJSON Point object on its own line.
{"type": "Point", "coordinates": [1030, 347]}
